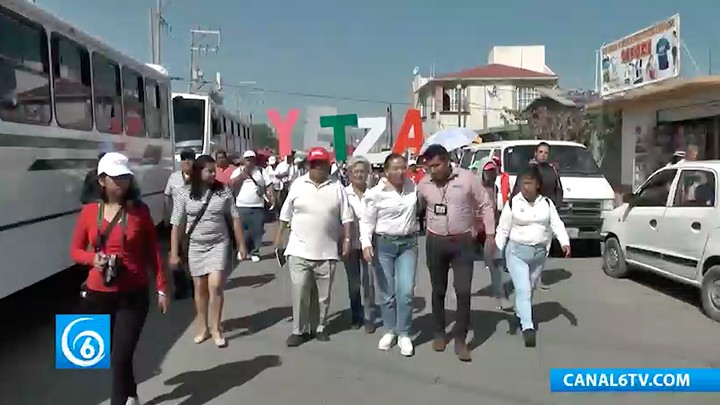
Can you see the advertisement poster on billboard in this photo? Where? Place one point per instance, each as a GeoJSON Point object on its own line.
{"type": "Point", "coordinates": [648, 56]}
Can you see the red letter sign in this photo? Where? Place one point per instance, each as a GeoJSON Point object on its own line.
{"type": "Point", "coordinates": [284, 129]}
{"type": "Point", "coordinates": [410, 140]}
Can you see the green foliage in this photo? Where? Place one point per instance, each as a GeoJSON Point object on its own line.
{"type": "Point", "coordinates": [264, 136]}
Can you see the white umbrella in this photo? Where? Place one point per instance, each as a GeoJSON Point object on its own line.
{"type": "Point", "coordinates": [450, 138]}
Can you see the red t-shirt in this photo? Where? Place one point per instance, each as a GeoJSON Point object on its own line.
{"type": "Point", "coordinates": [223, 175]}
{"type": "Point", "coordinates": [417, 176]}
{"type": "Point", "coordinates": [141, 253]}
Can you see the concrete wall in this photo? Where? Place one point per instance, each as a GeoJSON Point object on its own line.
{"type": "Point", "coordinates": [525, 57]}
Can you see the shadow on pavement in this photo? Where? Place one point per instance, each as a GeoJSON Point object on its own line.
{"type": "Point", "coordinates": [203, 386]}
{"type": "Point", "coordinates": [256, 322]}
{"type": "Point", "coordinates": [27, 348]}
{"type": "Point", "coordinates": [339, 322]}
{"type": "Point", "coordinates": [545, 312]}
{"type": "Point", "coordinates": [685, 293]}
{"type": "Point", "coordinates": [254, 281]}
{"type": "Point", "coordinates": [549, 277]}
{"type": "Point", "coordinates": [419, 304]}
{"type": "Point", "coordinates": [484, 323]}
{"type": "Point", "coordinates": [554, 276]}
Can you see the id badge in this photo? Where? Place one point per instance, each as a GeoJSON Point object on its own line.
{"type": "Point", "coordinates": [440, 209]}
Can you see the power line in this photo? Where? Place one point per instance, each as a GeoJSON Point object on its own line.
{"type": "Point", "coordinates": [302, 94]}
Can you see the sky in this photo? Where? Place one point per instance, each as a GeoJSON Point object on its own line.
{"type": "Point", "coordinates": [368, 49]}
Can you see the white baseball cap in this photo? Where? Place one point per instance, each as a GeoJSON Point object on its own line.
{"type": "Point", "coordinates": [249, 154]}
{"type": "Point", "coordinates": [113, 164]}
{"type": "Point", "coordinates": [272, 160]}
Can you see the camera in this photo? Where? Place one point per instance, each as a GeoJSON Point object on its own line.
{"type": "Point", "coordinates": [112, 269]}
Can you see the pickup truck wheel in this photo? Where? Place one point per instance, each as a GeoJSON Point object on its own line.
{"type": "Point", "coordinates": [711, 293]}
{"type": "Point", "coordinates": [614, 264]}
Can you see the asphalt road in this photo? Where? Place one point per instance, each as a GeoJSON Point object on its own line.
{"type": "Point", "coordinates": [586, 320]}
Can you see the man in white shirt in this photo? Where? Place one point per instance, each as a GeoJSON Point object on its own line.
{"type": "Point", "coordinates": [314, 208]}
{"type": "Point", "coordinates": [254, 189]}
{"type": "Point", "coordinates": [281, 177]}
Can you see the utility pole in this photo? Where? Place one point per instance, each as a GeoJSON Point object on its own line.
{"type": "Point", "coordinates": [202, 42]}
{"type": "Point", "coordinates": [157, 22]}
{"type": "Point", "coordinates": [459, 104]}
{"type": "Point", "coordinates": [390, 125]}
{"type": "Point", "coordinates": [709, 60]}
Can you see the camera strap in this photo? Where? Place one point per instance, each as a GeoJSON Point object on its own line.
{"type": "Point", "coordinates": [102, 237]}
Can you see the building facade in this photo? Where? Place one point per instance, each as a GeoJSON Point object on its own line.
{"type": "Point", "coordinates": [478, 98]}
{"type": "Point", "coordinates": [661, 119]}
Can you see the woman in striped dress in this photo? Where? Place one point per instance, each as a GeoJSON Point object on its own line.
{"type": "Point", "coordinates": [207, 232]}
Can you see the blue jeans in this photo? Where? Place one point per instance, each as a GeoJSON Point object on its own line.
{"type": "Point", "coordinates": [495, 264]}
{"type": "Point", "coordinates": [253, 222]}
{"type": "Point", "coordinates": [525, 263]}
{"type": "Point", "coordinates": [396, 260]}
{"type": "Point", "coordinates": [360, 279]}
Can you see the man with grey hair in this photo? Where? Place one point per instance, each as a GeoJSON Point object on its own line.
{"type": "Point", "coordinates": [363, 308]}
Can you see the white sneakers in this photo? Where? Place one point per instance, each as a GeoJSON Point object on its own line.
{"type": "Point", "coordinates": [255, 259]}
{"type": "Point", "coordinates": [386, 342]}
{"type": "Point", "coordinates": [404, 342]}
{"type": "Point", "coordinates": [132, 401]}
{"type": "Point", "coordinates": [406, 346]}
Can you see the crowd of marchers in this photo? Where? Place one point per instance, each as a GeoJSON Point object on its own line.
{"type": "Point", "coordinates": [367, 218]}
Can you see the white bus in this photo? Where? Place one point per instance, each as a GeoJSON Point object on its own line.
{"type": "Point", "coordinates": [65, 97]}
{"type": "Point", "coordinates": [205, 126]}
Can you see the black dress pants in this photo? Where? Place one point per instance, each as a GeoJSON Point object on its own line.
{"type": "Point", "coordinates": [127, 311]}
{"type": "Point", "coordinates": [458, 252]}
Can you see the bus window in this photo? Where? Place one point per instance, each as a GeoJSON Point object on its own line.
{"type": "Point", "coordinates": [164, 111]}
{"type": "Point", "coordinates": [189, 120]}
{"type": "Point", "coordinates": [216, 130]}
{"type": "Point", "coordinates": [71, 81]}
{"type": "Point", "coordinates": [108, 95]}
{"type": "Point", "coordinates": [24, 71]}
{"type": "Point", "coordinates": [152, 109]}
{"type": "Point", "coordinates": [134, 101]}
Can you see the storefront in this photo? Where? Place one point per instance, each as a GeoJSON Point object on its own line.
{"type": "Point", "coordinates": [659, 120]}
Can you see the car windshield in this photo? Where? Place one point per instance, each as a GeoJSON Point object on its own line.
{"type": "Point", "coordinates": [568, 159]}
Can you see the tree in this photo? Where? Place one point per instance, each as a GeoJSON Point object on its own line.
{"type": "Point", "coordinates": [264, 136]}
{"type": "Point", "coordinates": [566, 124]}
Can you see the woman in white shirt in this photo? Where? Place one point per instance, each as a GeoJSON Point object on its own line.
{"type": "Point", "coordinates": [363, 308]}
{"type": "Point", "coordinates": [526, 225]}
{"type": "Point", "coordinates": [388, 237]}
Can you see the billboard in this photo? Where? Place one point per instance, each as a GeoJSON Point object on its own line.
{"type": "Point", "coordinates": [648, 56]}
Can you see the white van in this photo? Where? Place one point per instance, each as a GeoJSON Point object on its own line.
{"type": "Point", "coordinates": [587, 194]}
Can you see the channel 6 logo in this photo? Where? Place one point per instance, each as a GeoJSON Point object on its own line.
{"type": "Point", "coordinates": [82, 341]}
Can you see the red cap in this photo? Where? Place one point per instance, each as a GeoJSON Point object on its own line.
{"type": "Point", "coordinates": [491, 165]}
{"type": "Point", "coordinates": [318, 153]}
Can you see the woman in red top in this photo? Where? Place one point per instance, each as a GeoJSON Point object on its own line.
{"type": "Point", "coordinates": [124, 247]}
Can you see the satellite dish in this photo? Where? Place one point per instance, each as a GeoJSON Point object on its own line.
{"type": "Point", "coordinates": [416, 70]}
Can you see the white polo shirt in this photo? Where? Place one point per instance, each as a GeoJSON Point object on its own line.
{"type": "Point", "coordinates": [314, 213]}
{"type": "Point", "coordinates": [248, 196]}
